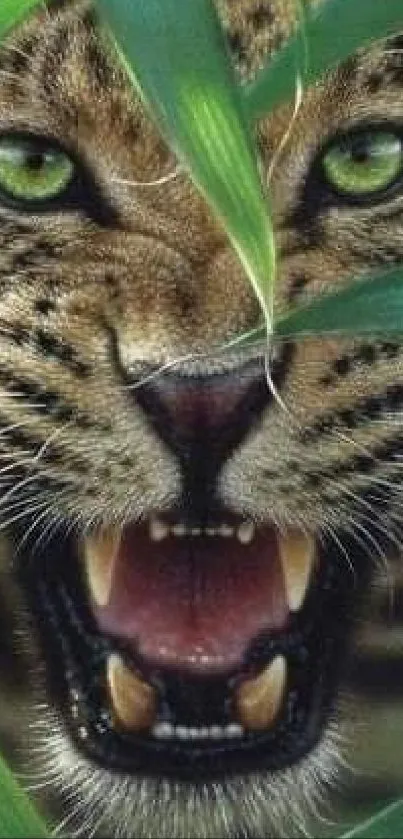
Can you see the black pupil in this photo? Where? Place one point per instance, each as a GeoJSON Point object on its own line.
{"type": "Point", "coordinates": [35, 161]}
{"type": "Point", "coordinates": [360, 152]}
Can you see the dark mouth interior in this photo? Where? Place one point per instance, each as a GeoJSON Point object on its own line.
{"type": "Point", "coordinates": [196, 732]}
{"type": "Point", "coordinates": [193, 602]}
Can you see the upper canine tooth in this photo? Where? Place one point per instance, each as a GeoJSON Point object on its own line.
{"type": "Point", "coordinates": [134, 701]}
{"type": "Point", "coordinates": [100, 551]}
{"type": "Point", "coordinates": [246, 532]}
{"type": "Point", "coordinates": [158, 530]}
{"type": "Point", "coordinates": [297, 553]}
{"type": "Point", "coordinates": [259, 700]}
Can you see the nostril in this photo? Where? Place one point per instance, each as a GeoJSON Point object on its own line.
{"type": "Point", "coordinates": [202, 418]}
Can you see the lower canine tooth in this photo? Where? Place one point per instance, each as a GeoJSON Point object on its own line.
{"type": "Point", "coordinates": [100, 551]}
{"type": "Point", "coordinates": [259, 700]}
{"type": "Point", "coordinates": [297, 553]}
{"type": "Point", "coordinates": [133, 700]}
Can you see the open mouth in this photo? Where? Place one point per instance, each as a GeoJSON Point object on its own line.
{"type": "Point", "coordinates": [192, 651]}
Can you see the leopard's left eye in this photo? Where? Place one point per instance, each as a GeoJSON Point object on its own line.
{"type": "Point", "coordinates": [363, 164]}
{"type": "Point", "coordinates": [32, 171]}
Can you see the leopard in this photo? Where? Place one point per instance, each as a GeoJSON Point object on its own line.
{"type": "Point", "coordinates": [193, 527]}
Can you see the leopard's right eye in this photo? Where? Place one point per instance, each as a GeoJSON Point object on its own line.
{"type": "Point", "coordinates": [33, 171]}
{"type": "Point", "coordinates": [363, 164]}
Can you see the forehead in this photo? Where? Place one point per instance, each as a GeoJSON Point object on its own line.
{"type": "Point", "coordinates": [57, 76]}
{"type": "Point", "coordinates": [65, 34]}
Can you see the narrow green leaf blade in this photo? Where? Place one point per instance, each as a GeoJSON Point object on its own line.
{"type": "Point", "coordinates": [386, 824]}
{"type": "Point", "coordinates": [333, 31]}
{"type": "Point", "coordinates": [176, 54]}
{"type": "Point", "coordinates": [18, 818]}
{"type": "Point", "coordinates": [370, 306]}
{"type": "Point", "coordinates": [364, 307]}
{"type": "Point", "coordinates": [13, 11]}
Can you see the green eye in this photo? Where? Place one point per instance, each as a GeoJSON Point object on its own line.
{"type": "Point", "coordinates": [33, 171]}
{"type": "Point", "coordinates": [362, 164]}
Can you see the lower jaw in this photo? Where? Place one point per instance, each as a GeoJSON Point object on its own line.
{"type": "Point", "coordinates": [76, 655]}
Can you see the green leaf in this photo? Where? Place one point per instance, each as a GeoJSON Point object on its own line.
{"type": "Point", "coordinates": [176, 54]}
{"type": "Point", "coordinates": [386, 824]}
{"type": "Point", "coordinates": [370, 306]}
{"type": "Point", "coordinates": [18, 818]}
{"type": "Point", "coordinates": [13, 11]}
{"type": "Point", "coordinates": [332, 31]}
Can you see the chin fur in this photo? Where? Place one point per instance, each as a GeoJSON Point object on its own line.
{"type": "Point", "coordinates": [97, 802]}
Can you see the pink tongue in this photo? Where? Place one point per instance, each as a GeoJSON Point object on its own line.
{"type": "Point", "coordinates": [194, 603]}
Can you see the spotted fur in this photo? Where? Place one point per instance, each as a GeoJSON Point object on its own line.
{"type": "Point", "coordinates": [141, 276]}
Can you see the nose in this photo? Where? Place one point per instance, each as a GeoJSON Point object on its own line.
{"type": "Point", "coordinates": [203, 418]}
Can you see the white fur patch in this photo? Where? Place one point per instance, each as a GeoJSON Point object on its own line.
{"type": "Point", "coordinates": [100, 802]}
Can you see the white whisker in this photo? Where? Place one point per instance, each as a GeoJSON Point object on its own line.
{"type": "Point", "coordinates": [157, 182]}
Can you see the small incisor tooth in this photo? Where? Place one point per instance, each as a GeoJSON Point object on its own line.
{"type": "Point", "coordinates": [246, 532]}
{"type": "Point", "coordinates": [100, 551]}
{"type": "Point", "coordinates": [158, 530]}
{"type": "Point", "coordinates": [297, 553]}
{"type": "Point", "coordinates": [134, 702]}
{"type": "Point", "coordinates": [258, 701]}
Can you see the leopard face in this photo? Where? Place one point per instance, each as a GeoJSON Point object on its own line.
{"type": "Point", "coordinates": [190, 525]}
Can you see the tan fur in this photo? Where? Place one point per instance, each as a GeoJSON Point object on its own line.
{"type": "Point", "coordinates": [167, 284]}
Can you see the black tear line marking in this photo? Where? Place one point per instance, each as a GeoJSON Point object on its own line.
{"type": "Point", "coordinates": [47, 345]}
{"type": "Point", "coordinates": [362, 413]}
{"type": "Point", "coordinates": [51, 403]}
{"type": "Point", "coordinates": [51, 346]}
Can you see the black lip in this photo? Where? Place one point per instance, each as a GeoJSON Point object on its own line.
{"type": "Point", "coordinates": [76, 654]}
